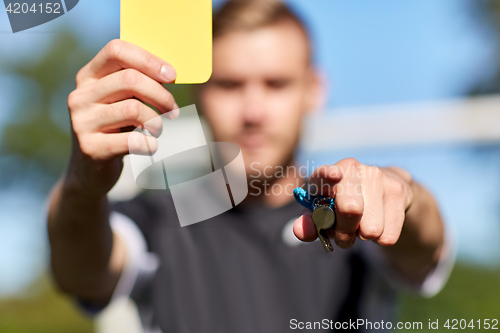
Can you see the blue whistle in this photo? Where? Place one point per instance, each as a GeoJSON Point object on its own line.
{"type": "Point", "coordinates": [309, 201]}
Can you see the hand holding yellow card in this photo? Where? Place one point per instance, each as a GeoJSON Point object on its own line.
{"type": "Point", "coordinates": [178, 31]}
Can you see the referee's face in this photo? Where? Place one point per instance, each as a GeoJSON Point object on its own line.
{"type": "Point", "coordinates": [261, 88]}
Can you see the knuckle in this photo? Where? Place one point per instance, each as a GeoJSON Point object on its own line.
{"type": "Point", "coordinates": [350, 207]}
{"type": "Point", "coordinates": [129, 78]}
{"type": "Point", "coordinates": [79, 77]}
{"type": "Point", "coordinates": [135, 142]}
{"type": "Point", "coordinates": [396, 188]}
{"type": "Point", "coordinates": [350, 161]}
{"type": "Point", "coordinates": [73, 100]}
{"type": "Point", "coordinates": [114, 48]}
{"type": "Point", "coordinates": [77, 125]}
{"type": "Point", "coordinates": [131, 110]}
{"type": "Point", "coordinates": [154, 125]}
{"type": "Point", "coordinates": [348, 167]}
{"type": "Point", "coordinates": [86, 146]}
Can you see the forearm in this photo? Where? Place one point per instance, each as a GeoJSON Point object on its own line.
{"type": "Point", "coordinates": [86, 259]}
{"type": "Point", "coordinates": [419, 246]}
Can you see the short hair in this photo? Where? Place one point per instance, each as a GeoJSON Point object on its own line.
{"type": "Point", "coordinates": [250, 15]}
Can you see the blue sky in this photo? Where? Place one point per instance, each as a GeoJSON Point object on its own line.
{"type": "Point", "coordinates": [371, 53]}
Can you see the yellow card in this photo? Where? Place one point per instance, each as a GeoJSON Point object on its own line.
{"type": "Point", "coordinates": [178, 31]}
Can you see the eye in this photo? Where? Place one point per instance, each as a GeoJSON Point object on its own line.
{"type": "Point", "coordinates": [278, 83]}
{"type": "Point", "coordinates": [228, 84]}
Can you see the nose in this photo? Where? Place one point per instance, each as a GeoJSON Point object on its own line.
{"type": "Point", "coordinates": [254, 104]}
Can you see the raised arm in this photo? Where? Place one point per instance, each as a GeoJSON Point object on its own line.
{"type": "Point", "coordinates": [87, 259]}
{"type": "Point", "coordinates": [383, 205]}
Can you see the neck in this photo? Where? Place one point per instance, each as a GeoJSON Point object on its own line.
{"type": "Point", "coordinates": [277, 191]}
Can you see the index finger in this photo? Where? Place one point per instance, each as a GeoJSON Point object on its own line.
{"type": "Point", "coordinates": [118, 55]}
{"type": "Point", "coordinates": [323, 180]}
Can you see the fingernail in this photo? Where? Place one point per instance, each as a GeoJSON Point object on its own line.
{"type": "Point", "coordinates": [168, 73]}
{"type": "Point", "coordinates": [173, 114]}
{"type": "Point", "coordinates": [344, 244]}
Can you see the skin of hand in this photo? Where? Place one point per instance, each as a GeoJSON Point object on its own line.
{"type": "Point", "coordinates": [383, 205]}
{"type": "Point", "coordinates": [107, 99]}
{"type": "Point", "coordinates": [87, 259]}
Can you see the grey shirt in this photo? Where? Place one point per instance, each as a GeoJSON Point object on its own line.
{"type": "Point", "coordinates": [244, 271]}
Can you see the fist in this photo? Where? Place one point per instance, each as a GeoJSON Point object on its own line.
{"type": "Point", "coordinates": [111, 98]}
{"type": "Point", "coordinates": [370, 202]}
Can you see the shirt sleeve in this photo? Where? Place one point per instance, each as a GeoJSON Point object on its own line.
{"type": "Point", "coordinates": [435, 279]}
{"type": "Point", "coordinates": [139, 262]}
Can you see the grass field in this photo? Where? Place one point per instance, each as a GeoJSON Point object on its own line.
{"type": "Point", "coordinates": [45, 312]}
{"type": "Point", "coordinates": [471, 293]}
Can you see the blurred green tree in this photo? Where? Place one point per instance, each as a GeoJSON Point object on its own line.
{"type": "Point", "coordinates": [38, 133]}
{"type": "Point", "coordinates": [34, 134]}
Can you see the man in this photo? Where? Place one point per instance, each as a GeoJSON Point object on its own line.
{"type": "Point", "coordinates": [234, 272]}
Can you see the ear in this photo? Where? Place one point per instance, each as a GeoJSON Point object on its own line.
{"type": "Point", "coordinates": [316, 90]}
